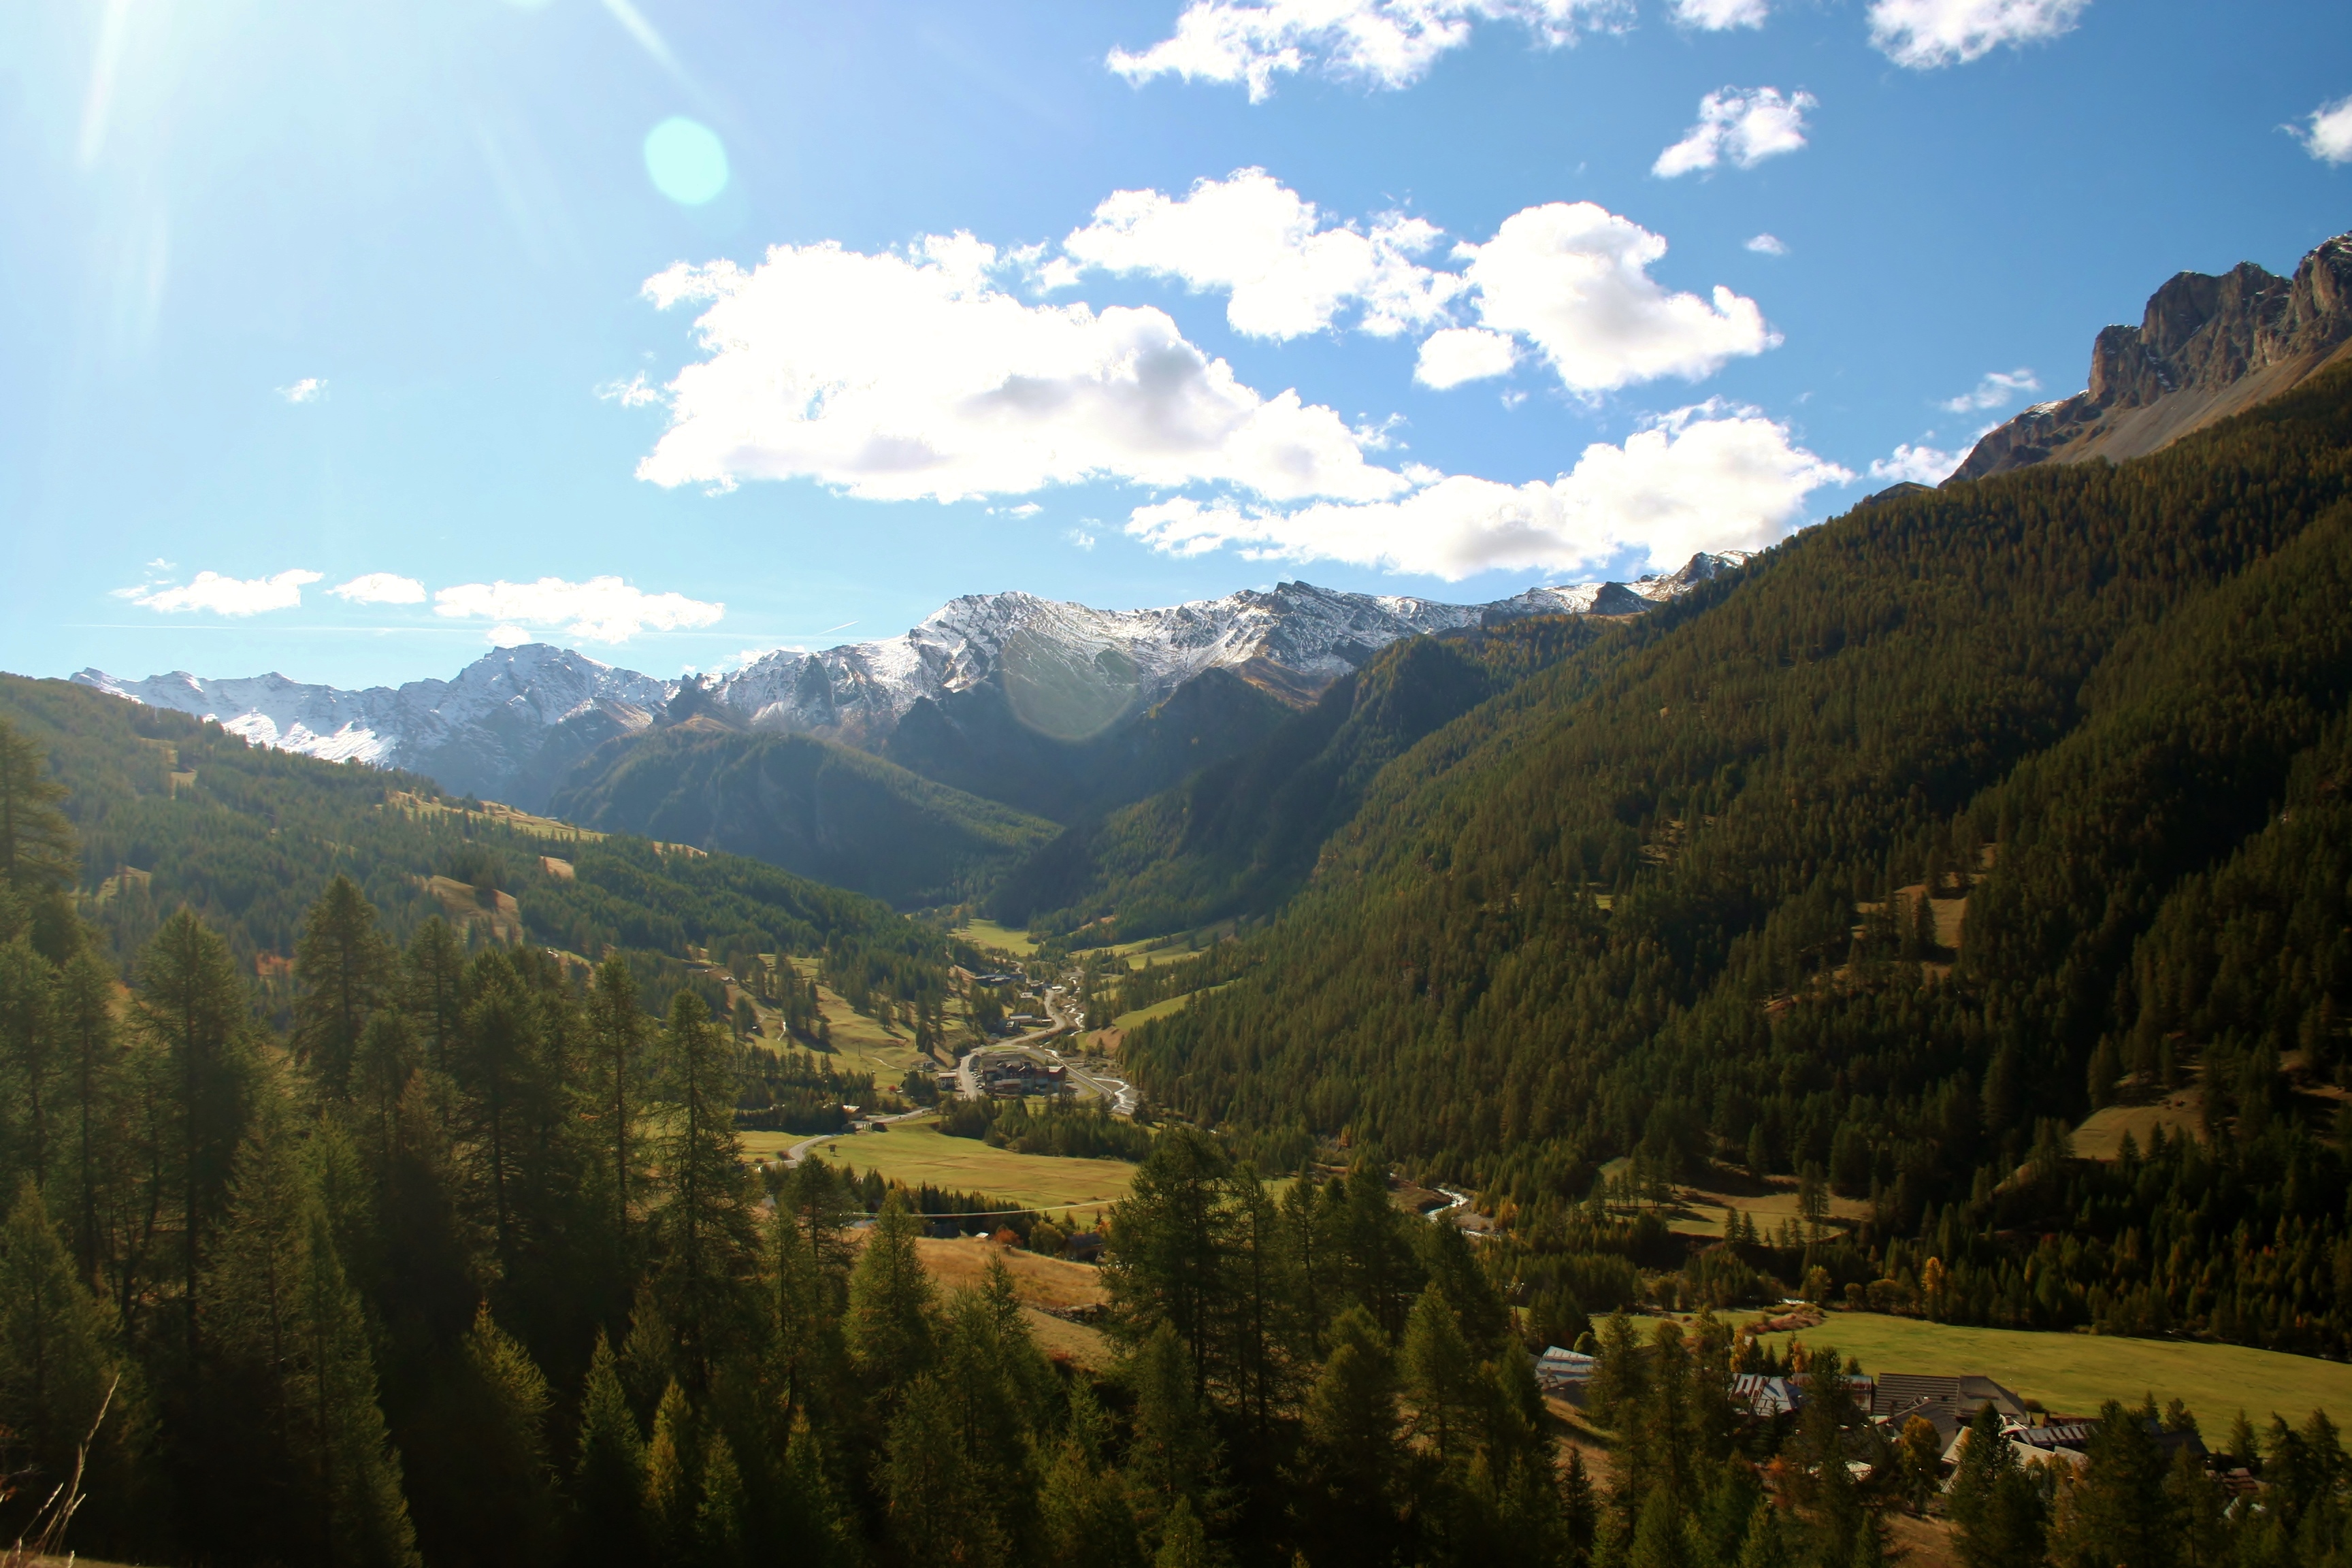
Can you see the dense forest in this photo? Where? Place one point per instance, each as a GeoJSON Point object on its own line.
{"type": "Point", "coordinates": [1670, 897]}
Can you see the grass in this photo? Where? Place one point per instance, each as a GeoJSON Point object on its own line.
{"type": "Point", "coordinates": [1161, 1009]}
{"type": "Point", "coordinates": [2101, 1136]}
{"type": "Point", "coordinates": [1038, 1282]}
{"type": "Point", "coordinates": [862, 1044]}
{"type": "Point", "coordinates": [1704, 1211]}
{"type": "Point", "coordinates": [918, 1151]}
{"type": "Point", "coordinates": [988, 934]}
{"type": "Point", "coordinates": [2074, 1373]}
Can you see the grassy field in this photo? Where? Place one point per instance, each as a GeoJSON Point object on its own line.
{"type": "Point", "coordinates": [916, 1151]}
{"type": "Point", "coordinates": [867, 1045]}
{"type": "Point", "coordinates": [1700, 1210]}
{"type": "Point", "coordinates": [1038, 1283]}
{"type": "Point", "coordinates": [1161, 1009]}
{"type": "Point", "coordinates": [2101, 1136]}
{"type": "Point", "coordinates": [2073, 1372]}
{"type": "Point", "coordinates": [988, 934]}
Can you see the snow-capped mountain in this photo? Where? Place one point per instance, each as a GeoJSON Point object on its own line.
{"type": "Point", "coordinates": [514, 721]}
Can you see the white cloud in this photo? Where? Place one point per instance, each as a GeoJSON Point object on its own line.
{"type": "Point", "coordinates": [1994, 390]}
{"type": "Point", "coordinates": [1925, 33]}
{"type": "Point", "coordinates": [1718, 16]}
{"type": "Point", "coordinates": [225, 596]}
{"type": "Point", "coordinates": [1575, 280]}
{"type": "Point", "coordinates": [1382, 43]}
{"type": "Point", "coordinates": [601, 609]}
{"type": "Point", "coordinates": [309, 389]}
{"type": "Point", "coordinates": [380, 588]}
{"type": "Point", "coordinates": [1026, 508]}
{"type": "Point", "coordinates": [905, 376]}
{"type": "Point", "coordinates": [1082, 538]}
{"type": "Point", "coordinates": [632, 393]}
{"type": "Point", "coordinates": [1745, 125]}
{"type": "Point", "coordinates": [1768, 245]}
{"type": "Point", "coordinates": [1458, 355]}
{"type": "Point", "coordinates": [2326, 134]}
{"type": "Point", "coordinates": [1704, 478]}
{"type": "Point", "coordinates": [1921, 465]}
{"type": "Point", "coordinates": [1287, 272]}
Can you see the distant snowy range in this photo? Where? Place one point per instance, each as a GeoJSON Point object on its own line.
{"type": "Point", "coordinates": [511, 724]}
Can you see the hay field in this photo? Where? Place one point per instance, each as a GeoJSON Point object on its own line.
{"type": "Point", "coordinates": [2073, 1372]}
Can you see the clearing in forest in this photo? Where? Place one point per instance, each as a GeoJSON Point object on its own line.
{"type": "Point", "coordinates": [2074, 1373]}
{"type": "Point", "coordinates": [918, 1151]}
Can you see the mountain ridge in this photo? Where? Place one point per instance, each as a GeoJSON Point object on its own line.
{"type": "Point", "coordinates": [2206, 347]}
{"type": "Point", "coordinates": [512, 724]}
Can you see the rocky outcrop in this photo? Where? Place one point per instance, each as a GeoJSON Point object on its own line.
{"type": "Point", "coordinates": [2207, 348]}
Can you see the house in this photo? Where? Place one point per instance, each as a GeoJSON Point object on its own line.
{"type": "Point", "coordinates": [1948, 1403]}
{"type": "Point", "coordinates": [1765, 1397]}
{"type": "Point", "coordinates": [2068, 1443]}
{"type": "Point", "coordinates": [1566, 1372]}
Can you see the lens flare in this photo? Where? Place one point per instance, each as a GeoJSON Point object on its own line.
{"type": "Point", "coordinates": [687, 161]}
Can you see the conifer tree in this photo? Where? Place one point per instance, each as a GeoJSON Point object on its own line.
{"type": "Point", "coordinates": [608, 1479]}
{"type": "Point", "coordinates": [617, 1028]}
{"type": "Point", "coordinates": [503, 1429]}
{"type": "Point", "coordinates": [30, 1058]}
{"type": "Point", "coordinates": [1087, 1521]}
{"type": "Point", "coordinates": [433, 979]}
{"type": "Point", "coordinates": [344, 966]}
{"type": "Point", "coordinates": [1182, 1542]}
{"type": "Point", "coordinates": [890, 1296]}
{"type": "Point", "coordinates": [719, 1520]}
{"type": "Point", "coordinates": [707, 1234]}
{"type": "Point", "coordinates": [37, 843]}
{"type": "Point", "coordinates": [1442, 1379]}
{"type": "Point", "coordinates": [1174, 1453]}
{"type": "Point", "coordinates": [1349, 1456]}
{"type": "Point", "coordinates": [192, 1006]}
{"type": "Point", "coordinates": [93, 1090]}
{"type": "Point", "coordinates": [56, 1366]}
{"type": "Point", "coordinates": [669, 1482]}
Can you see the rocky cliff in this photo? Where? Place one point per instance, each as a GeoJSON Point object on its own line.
{"type": "Point", "coordinates": [2207, 348]}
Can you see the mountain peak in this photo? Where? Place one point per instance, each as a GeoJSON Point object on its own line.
{"type": "Point", "coordinates": [2206, 347]}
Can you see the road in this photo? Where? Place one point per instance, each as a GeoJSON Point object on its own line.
{"type": "Point", "coordinates": [1120, 1094]}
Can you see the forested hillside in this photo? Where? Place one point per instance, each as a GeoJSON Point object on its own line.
{"type": "Point", "coordinates": [171, 811]}
{"type": "Point", "coordinates": [1239, 836]}
{"type": "Point", "coordinates": [813, 806]}
{"type": "Point", "coordinates": [1666, 897]}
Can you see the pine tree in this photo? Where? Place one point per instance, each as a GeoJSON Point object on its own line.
{"type": "Point", "coordinates": [1442, 1380]}
{"type": "Point", "coordinates": [1350, 1455]}
{"type": "Point", "coordinates": [191, 1006]}
{"type": "Point", "coordinates": [1767, 1546]}
{"type": "Point", "coordinates": [55, 1367]}
{"type": "Point", "coordinates": [37, 843]}
{"type": "Point", "coordinates": [719, 1520]}
{"type": "Point", "coordinates": [708, 1238]}
{"type": "Point", "coordinates": [609, 1484]}
{"type": "Point", "coordinates": [669, 1483]}
{"type": "Point", "coordinates": [30, 1058]}
{"type": "Point", "coordinates": [433, 980]}
{"type": "Point", "coordinates": [1174, 1454]}
{"type": "Point", "coordinates": [92, 1088]}
{"type": "Point", "coordinates": [346, 967]}
{"type": "Point", "coordinates": [890, 1296]}
{"type": "Point", "coordinates": [618, 1029]}
{"type": "Point", "coordinates": [1182, 1542]}
{"type": "Point", "coordinates": [1087, 1520]}
{"type": "Point", "coordinates": [504, 1436]}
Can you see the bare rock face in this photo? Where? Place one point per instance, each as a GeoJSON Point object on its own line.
{"type": "Point", "coordinates": [2206, 348]}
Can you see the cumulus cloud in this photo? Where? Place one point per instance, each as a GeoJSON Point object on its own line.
{"type": "Point", "coordinates": [380, 588]}
{"type": "Point", "coordinates": [601, 609]}
{"type": "Point", "coordinates": [1743, 125]}
{"type": "Point", "coordinates": [1921, 465]}
{"type": "Point", "coordinates": [2327, 131]}
{"type": "Point", "coordinates": [1286, 270]}
{"type": "Point", "coordinates": [899, 377]}
{"type": "Point", "coordinates": [1719, 16]}
{"type": "Point", "coordinates": [1458, 355]}
{"type": "Point", "coordinates": [1704, 478]}
{"type": "Point", "coordinates": [1574, 280]}
{"type": "Point", "coordinates": [209, 591]}
{"type": "Point", "coordinates": [1994, 390]}
{"type": "Point", "coordinates": [1768, 245]}
{"type": "Point", "coordinates": [1925, 33]}
{"type": "Point", "coordinates": [309, 389]}
{"type": "Point", "coordinates": [1380, 43]}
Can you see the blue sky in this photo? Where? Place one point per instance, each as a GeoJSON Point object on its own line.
{"type": "Point", "coordinates": [391, 298]}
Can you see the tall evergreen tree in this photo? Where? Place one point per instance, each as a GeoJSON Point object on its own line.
{"type": "Point", "coordinates": [608, 1479]}
{"type": "Point", "coordinates": [191, 1006]}
{"type": "Point", "coordinates": [708, 1235]}
{"type": "Point", "coordinates": [344, 968]}
{"type": "Point", "coordinates": [890, 1296]}
{"type": "Point", "coordinates": [37, 843]}
{"type": "Point", "coordinates": [1350, 1458]}
{"type": "Point", "coordinates": [617, 1030]}
{"type": "Point", "coordinates": [57, 1367]}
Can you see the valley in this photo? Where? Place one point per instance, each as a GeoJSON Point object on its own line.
{"type": "Point", "coordinates": [1212, 1050]}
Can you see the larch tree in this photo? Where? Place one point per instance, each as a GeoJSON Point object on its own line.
{"type": "Point", "coordinates": [345, 968]}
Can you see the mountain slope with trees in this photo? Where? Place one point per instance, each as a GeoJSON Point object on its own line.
{"type": "Point", "coordinates": [1664, 899]}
